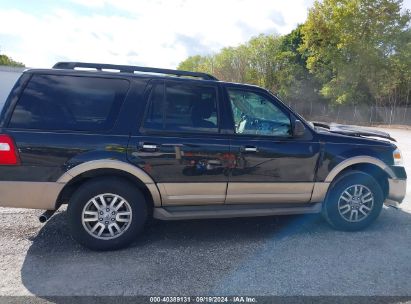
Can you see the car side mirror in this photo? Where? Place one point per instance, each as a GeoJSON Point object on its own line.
{"type": "Point", "coordinates": [299, 128]}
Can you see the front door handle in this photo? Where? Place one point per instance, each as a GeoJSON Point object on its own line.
{"type": "Point", "coordinates": [250, 149]}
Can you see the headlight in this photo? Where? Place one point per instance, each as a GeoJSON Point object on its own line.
{"type": "Point", "coordinates": [397, 157]}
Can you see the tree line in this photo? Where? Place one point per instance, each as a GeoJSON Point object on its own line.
{"type": "Point", "coordinates": [7, 61]}
{"type": "Point", "coordinates": [348, 52]}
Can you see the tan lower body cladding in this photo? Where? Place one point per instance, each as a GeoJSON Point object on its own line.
{"type": "Point", "coordinates": [174, 194]}
{"type": "Point", "coordinates": [34, 195]}
{"type": "Point", "coordinates": [248, 193]}
{"type": "Point", "coordinates": [192, 193]}
{"type": "Point", "coordinates": [43, 195]}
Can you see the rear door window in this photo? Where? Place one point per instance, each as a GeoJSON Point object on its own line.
{"type": "Point", "coordinates": [182, 107]}
{"type": "Point", "coordinates": [54, 102]}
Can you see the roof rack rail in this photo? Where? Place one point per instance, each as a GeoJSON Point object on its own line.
{"type": "Point", "coordinates": [130, 69]}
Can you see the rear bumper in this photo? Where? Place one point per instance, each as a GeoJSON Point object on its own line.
{"type": "Point", "coordinates": [34, 195]}
{"type": "Point", "coordinates": [397, 189]}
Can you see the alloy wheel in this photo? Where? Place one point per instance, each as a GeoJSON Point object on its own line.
{"type": "Point", "coordinates": [106, 216]}
{"type": "Point", "coordinates": [356, 203]}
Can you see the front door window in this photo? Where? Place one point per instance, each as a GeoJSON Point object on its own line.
{"type": "Point", "coordinates": [254, 114]}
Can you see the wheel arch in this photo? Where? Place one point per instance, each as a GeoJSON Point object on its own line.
{"type": "Point", "coordinates": [78, 175]}
{"type": "Point", "coordinates": [369, 165]}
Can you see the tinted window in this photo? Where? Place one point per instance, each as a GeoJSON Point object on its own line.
{"type": "Point", "coordinates": [184, 107]}
{"type": "Point", "coordinates": [255, 114]}
{"type": "Point", "coordinates": [52, 102]}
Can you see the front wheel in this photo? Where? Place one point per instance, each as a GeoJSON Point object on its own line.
{"type": "Point", "coordinates": [106, 213]}
{"type": "Point", "coordinates": [354, 201]}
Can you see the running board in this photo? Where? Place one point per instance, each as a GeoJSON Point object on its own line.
{"type": "Point", "coordinates": [229, 211]}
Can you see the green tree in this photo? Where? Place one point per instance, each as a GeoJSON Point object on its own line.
{"type": "Point", "coordinates": [231, 64]}
{"type": "Point", "coordinates": [293, 79]}
{"type": "Point", "coordinates": [351, 46]}
{"type": "Point", "coordinates": [195, 63]}
{"type": "Point", "coordinates": [263, 61]}
{"type": "Point", "coordinates": [5, 60]}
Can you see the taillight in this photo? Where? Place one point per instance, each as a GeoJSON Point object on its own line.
{"type": "Point", "coordinates": [8, 151]}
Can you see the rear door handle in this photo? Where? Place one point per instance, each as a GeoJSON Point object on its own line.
{"type": "Point", "coordinates": [149, 147]}
{"type": "Point", "coordinates": [250, 149]}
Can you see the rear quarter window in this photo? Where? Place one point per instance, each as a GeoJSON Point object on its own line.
{"type": "Point", "coordinates": [75, 103]}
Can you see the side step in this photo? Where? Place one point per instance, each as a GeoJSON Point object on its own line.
{"type": "Point", "coordinates": [231, 211]}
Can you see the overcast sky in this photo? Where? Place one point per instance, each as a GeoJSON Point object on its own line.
{"type": "Point", "coordinates": [158, 33]}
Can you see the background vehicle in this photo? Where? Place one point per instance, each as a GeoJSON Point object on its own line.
{"type": "Point", "coordinates": [121, 147]}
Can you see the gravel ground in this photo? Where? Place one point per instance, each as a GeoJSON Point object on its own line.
{"type": "Point", "coordinates": [289, 255]}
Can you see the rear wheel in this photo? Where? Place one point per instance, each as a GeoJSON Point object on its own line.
{"type": "Point", "coordinates": [106, 213]}
{"type": "Point", "coordinates": [354, 201]}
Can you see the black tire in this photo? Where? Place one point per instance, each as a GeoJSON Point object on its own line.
{"type": "Point", "coordinates": [95, 187]}
{"type": "Point", "coordinates": [331, 210]}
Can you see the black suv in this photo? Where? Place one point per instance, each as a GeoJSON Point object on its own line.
{"type": "Point", "coordinates": [121, 144]}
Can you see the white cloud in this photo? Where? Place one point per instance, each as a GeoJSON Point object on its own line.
{"type": "Point", "coordinates": [151, 33]}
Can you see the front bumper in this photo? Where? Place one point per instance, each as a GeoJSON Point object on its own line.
{"type": "Point", "coordinates": [397, 189]}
